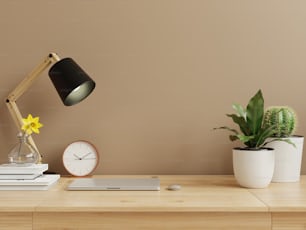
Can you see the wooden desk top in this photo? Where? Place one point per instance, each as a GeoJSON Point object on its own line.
{"type": "Point", "coordinates": [284, 197]}
{"type": "Point", "coordinates": [199, 193]}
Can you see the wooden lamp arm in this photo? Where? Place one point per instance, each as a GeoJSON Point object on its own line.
{"type": "Point", "coordinates": [22, 87]}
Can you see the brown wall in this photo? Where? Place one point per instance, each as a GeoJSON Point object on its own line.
{"type": "Point", "coordinates": [167, 71]}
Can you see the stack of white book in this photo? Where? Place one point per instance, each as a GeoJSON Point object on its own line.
{"type": "Point", "coordinates": [26, 177]}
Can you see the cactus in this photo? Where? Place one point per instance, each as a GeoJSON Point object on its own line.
{"type": "Point", "coordinates": [283, 118]}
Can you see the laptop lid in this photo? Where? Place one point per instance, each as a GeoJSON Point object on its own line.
{"type": "Point", "coordinates": [115, 184]}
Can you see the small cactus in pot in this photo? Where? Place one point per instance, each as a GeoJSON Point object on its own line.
{"type": "Point", "coordinates": [282, 118]}
{"type": "Point", "coordinates": [287, 157]}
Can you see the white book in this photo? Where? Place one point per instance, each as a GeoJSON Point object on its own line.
{"type": "Point", "coordinates": [19, 176]}
{"type": "Point", "coordinates": [43, 182]}
{"type": "Point", "coordinates": [23, 169]}
{"type": "Point", "coordinates": [44, 179]}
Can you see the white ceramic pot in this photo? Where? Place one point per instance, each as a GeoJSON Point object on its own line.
{"type": "Point", "coordinates": [253, 168]}
{"type": "Point", "coordinates": [288, 159]}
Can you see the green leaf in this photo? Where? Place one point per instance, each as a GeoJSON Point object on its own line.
{"type": "Point", "coordinates": [244, 138]}
{"type": "Point", "coordinates": [233, 137]}
{"type": "Point", "coordinates": [227, 128]}
{"type": "Point", "coordinates": [281, 139]}
{"type": "Point", "coordinates": [241, 122]}
{"type": "Point", "coordinates": [255, 112]}
{"type": "Point", "coordinates": [240, 110]}
{"type": "Point", "coordinates": [263, 135]}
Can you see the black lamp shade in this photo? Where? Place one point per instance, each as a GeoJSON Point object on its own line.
{"type": "Point", "coordinates": [71, 82]}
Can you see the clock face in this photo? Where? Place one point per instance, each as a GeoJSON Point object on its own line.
{"type": "Point", "coordinates": [80, 158]}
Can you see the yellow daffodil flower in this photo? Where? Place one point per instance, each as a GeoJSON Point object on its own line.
{"type": "Point", "coordinates": [31, 124]}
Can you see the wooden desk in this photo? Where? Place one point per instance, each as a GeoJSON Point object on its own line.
{"type": "Point", "coordinates": [204, 202]}
{"type": "Point", "coordinates": [287, 204]}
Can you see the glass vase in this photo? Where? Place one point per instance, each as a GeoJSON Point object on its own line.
{"type": "Point", "coordinates": [23, 153]}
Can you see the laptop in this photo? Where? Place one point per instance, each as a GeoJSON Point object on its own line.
{"type": "Point", "coordinates": [115, 184]}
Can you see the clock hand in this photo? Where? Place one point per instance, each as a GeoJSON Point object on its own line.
{"type": "Point", "coordinates": [81, 158]}
{"type": "Point", "coordinates": [77, 157]}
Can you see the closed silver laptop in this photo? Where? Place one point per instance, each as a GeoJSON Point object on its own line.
{"type": "Point", "coordinates": [115, 184]}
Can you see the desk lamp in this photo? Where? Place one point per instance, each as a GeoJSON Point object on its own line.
{"type": "Point", "coordinates": [71, 82]}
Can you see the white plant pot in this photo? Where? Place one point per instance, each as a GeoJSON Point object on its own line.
{"type": "Point", "coordinates": [288, 159]}
{"type": "Point", "coordinates": [253, 168]}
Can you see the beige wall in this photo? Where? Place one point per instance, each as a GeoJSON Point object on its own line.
{"type": "Point", "coordinates": [167, 71]}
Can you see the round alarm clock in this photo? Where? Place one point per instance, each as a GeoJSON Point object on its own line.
{"type": "Point", "coordinates": [80, 158]}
